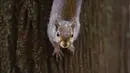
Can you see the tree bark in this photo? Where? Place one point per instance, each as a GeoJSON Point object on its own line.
{"type": "Point", "coordinates": [102, 45]}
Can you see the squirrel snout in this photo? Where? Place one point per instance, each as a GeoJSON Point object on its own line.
{"type": "Point", "coordinates": [64, 44]}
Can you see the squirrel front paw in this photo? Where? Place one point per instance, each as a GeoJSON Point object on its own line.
{"type": "Point", "coordinates": [72, 48]}
{"type": "Point", "coordinates": [58, 53]}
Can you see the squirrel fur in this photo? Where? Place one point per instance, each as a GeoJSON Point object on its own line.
{"type": "Point", "coordinates": [64, 25]}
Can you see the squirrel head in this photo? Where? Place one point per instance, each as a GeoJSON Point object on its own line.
{"type": "Point", "coordinates": [65, 33]}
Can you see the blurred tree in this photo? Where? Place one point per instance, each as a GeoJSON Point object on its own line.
{"type": "Point", "coordinates": [102, 46]}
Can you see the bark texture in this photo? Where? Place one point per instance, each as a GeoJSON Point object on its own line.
{"type": "Point", "coordinates": [102, 46]}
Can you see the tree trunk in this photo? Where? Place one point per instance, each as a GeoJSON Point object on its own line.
{"type": "Point", "coordinates": [102, 45]}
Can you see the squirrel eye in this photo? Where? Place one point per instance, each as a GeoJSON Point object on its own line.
{"type": "Point", "coordinates": [58, 34]}
{"type": "Point", "coordinates": [72, 35]}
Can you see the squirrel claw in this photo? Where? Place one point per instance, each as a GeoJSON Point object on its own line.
{"type": "Point", "coordinates": [58, 53]}
{"type": "Point", "coordinates": [72, 49]}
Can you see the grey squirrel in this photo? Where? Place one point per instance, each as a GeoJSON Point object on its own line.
{"type": "Point", "coordinates": [64, 25]}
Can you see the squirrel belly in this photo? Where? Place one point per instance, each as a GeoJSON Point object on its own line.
{"type": "Point", "coordinates": [64, 24]}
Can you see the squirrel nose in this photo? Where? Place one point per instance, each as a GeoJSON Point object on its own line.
{"type": "Point", "coordinates": [64, 44]}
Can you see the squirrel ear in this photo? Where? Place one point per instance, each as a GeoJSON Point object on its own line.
{"type": "Point", "coordinates": [57, 24]}
{"type": "Point", "coordinates": [73, 23]}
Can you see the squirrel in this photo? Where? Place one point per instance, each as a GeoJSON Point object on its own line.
{"type": "Point", "coordinates": [64, 25]}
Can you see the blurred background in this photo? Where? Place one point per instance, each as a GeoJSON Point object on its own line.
{"type": "Point", "coordinates": [103, 45]}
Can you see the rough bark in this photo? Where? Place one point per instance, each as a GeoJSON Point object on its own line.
{"type": "Point", "coordinates": [102, 46]}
